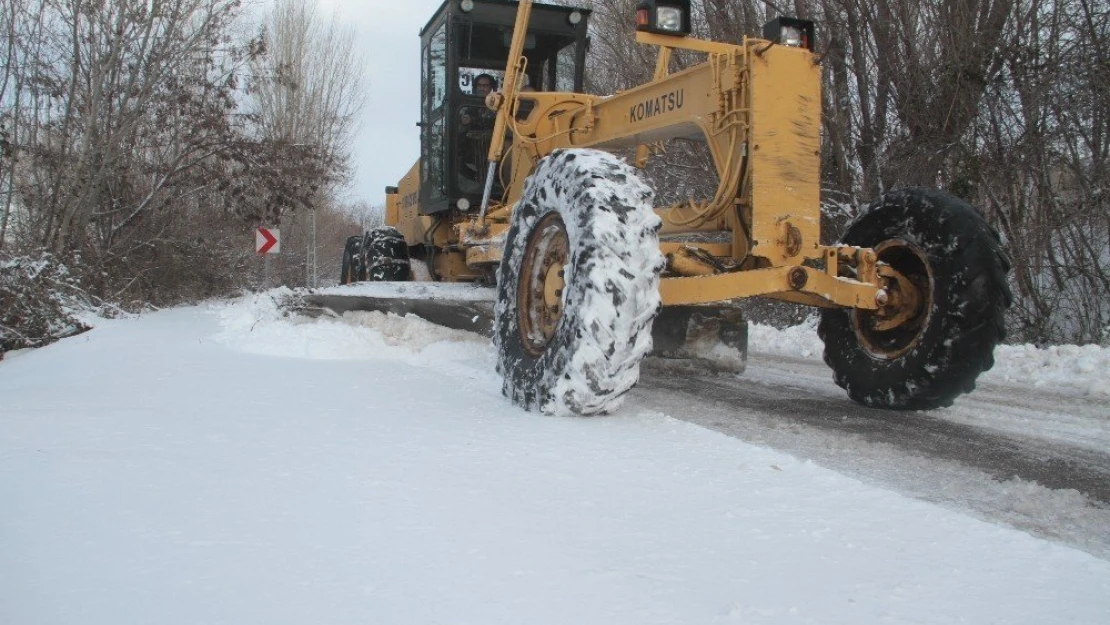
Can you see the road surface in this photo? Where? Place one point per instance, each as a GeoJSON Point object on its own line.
{"type": "Point", "coordinates": [974, 456]}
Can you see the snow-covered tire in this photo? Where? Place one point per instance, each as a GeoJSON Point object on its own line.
{"type": "Point", "coordinates": [585, 223]}
{"type": "Point", "coordinates": [386, 256]}
{"type": "Point", "coordinates": [955, 259]}
{"type": "Point", "coordinates": [352, 255]}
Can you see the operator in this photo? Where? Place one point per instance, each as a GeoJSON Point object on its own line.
{"type": "Point", "coordinates": [476, 131]}
{"type": "Point", "coordinates": [484, 84]}
{"type": "Point", "coordinates": [473, 117]}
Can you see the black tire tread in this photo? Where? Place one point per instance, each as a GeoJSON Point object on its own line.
{"type": "Point", "coordinates": [612, 286]}
{"type": "Point", "coordinates": [352, 253]}
{"type": "Point", "coordinates": [967, 318]}
{"type": "Point", "coordinates": [386, 256]}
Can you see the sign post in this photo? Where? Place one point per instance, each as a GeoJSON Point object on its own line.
{"type": "Point", "coordinates": [267, 241]}
{"type": "Point", "coordinates": [310, 257]}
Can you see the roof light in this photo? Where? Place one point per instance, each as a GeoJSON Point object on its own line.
{"type": "Point", "coordinates": [788, 31]}
{"type": "Point", "coordinates": [791, 37]}
{"type": "Point", "coordinates": [664, 17]}
{"type": "Point", "coordinates": [668, 18]}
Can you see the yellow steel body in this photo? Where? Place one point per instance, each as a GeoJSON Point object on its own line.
{"type": "Point", "coordinates": [402, 209]}
{"type": "Point", "coordinates": [756, 105]}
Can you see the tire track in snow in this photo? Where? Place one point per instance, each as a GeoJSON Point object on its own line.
{"type": "Point", "coordinates": [1051, 464]}
{"type": "Point", "coordinates": [793, 406]}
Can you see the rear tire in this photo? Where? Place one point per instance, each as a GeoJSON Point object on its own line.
{"type": "Point", "coordinates": [955, 259]}
{"type": "Point", "coordinates": [386, 256]}
{"type": "Point", "coordinates": [352, 253]}
{"type": "Point", "coordinates": [578, 286]}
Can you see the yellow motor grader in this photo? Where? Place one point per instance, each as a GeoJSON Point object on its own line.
{"type": "Point", "coordinates": [518, 187]}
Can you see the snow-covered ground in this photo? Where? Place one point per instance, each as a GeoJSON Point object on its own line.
{"type": "Point", "coordinates": [1063, 391]}
{"type": "Point", "coordinates": [227, 464]}
{"type": "Point", "coordinates": [458, 291]}
{"type": "Point", "coordinates": [1073, 369]}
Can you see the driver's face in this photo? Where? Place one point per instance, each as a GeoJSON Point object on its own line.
{"type": "Point", "coordinates": [482, 87]}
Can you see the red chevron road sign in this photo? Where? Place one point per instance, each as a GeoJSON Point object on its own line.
{"type": "Point", "coordinates": [267, 241]}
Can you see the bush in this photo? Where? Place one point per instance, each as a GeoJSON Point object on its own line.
{"type": "Point", "coordinates": [38, 300]}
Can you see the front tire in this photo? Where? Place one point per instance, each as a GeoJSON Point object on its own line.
{"type": "Point", "coordinates": [954, 259]}
{"type": "Point", "coordinates": [578, 285]}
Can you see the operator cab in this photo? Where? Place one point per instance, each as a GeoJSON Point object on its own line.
{"type": "Point", "coordinates": [465, 46]}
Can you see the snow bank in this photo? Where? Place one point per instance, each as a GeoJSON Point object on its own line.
{"type": "Point", "coordinates": [1085, 369]}
{"type": "Point", "coordinates": [1079, 370]}
{"type": "Point", "coordinates": [259, 324]}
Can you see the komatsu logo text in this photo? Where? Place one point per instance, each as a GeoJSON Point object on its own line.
{"type": "Point", "coordinates": [650, 108]}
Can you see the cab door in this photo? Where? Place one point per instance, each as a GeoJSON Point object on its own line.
{"type": "Point", "coordinates": [433, 122]}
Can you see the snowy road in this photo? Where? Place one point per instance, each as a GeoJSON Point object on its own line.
{"type": "Point", "coordinates": [230, 465]}
{"type": "Point", "coordinates": [977, 454]}
{"type": "Point", "coordinates": [775, 388]}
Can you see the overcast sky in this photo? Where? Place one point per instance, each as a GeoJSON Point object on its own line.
{"type": "Point", "coordinates": [387, 143]}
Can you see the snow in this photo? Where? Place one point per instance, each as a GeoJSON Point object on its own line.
{"type": "Point", "coordinates": [1057, 393]}
{"type": "Point", "coordinates": [1084, 369]}
{"type": "Point", "coordinates": [1073, 369]}
{"type": "Point", "coordinates": [457, 291]}
{"type": "Point", "coordinates": [230, 464]}
{"type": "Point", "coordinates": [262, 327]}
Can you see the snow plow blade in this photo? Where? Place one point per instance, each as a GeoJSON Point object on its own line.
{"type": "Point", "coordinates": [452, 305]}
{"type": "Point", "coordinates": [471, 316]}
{"type": "Point", "coordinates": [713, 337]}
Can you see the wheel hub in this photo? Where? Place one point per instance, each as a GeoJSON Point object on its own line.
{"type": "Point", "coordinates": [540, 296]}
{"type": "Point", "coordinates": [897, 327]}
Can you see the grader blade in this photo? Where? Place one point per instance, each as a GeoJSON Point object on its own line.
{"type": "Point", "coordinates": [452, 305]}
{"type": "Point", "coordinates": [470, 316]}
{"type": "Point", "coordinates": [709, 337]}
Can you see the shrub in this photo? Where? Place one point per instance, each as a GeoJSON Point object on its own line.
{"type": "Point", "coordinates": [39, 299]}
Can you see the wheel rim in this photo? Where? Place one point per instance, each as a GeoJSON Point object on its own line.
{"type": "Point", "coordinates": [896, 328]}
{"type": "Point", "coordinates": [539, 298]}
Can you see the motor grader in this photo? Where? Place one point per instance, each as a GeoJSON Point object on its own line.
{"type": "Point", "coordinates": [519, 188]}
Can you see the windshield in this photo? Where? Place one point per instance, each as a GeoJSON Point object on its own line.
{"type": "Point", "coordinates": [484, 49]}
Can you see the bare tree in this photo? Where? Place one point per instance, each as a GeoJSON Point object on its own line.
{"type": "Point", "coordinates": [1042, 168]}
{"type": "Point", "coordinates": [307, 89]}
{"type": "Point", "coordinates": [123, 128]}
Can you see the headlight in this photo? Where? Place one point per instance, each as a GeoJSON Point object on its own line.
{"type": "Point", "coordinates": [574, 17]}
{"type": "Point", "coordinates": [467, 6]}
{"type": "Point", "coordinates": [788, 31]}
{"type": "Point", "coordinates": [663, 17]}
{"type": "Point", "coordinates": [668, 18]}
{"type": "Point", "coordinates": [791, 36]}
